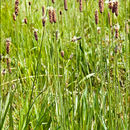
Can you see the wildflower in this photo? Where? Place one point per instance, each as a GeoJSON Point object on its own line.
{"type": "Point", "coordinates": [75, 38]}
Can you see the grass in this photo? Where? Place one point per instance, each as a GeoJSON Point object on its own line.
{"type": "Point", "coordinates": [87, 88]}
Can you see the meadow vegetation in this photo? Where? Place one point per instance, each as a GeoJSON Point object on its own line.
{"type": "Point", "coordinates": [64, 64]}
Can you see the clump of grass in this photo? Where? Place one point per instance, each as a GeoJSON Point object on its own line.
{"type": "Point", "coordinates": [70, 75]}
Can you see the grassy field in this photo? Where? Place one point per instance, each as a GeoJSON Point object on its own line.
{"type": "Point", "coordinates": [64, 68]}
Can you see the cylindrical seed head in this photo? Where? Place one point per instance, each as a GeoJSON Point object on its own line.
{"type": "Point", "coordinates": [65, 5]}
{"type": "Point", "coordinates": [116, 8]}
{"type": "Point", "coordinates": [43, 10]}
{"type": "Point", "coordinates": [35, 35]}
{"type": "Point", "coordinates": [96, 17]}
{"type": "Point", "coordinates": [109, 19]}
{"type": "Point", "coordinates": [53, 1]}
{"type": "Point", "coordinates": [29, 3]}
{"type": "Point", "coordinates": [25, 20]}
{"type": "Point", "coordinates": [80, 5]}
{"type": "Point", "coordinates": [126, 27]}
{"type": "Point", "coordinates": [62, 53]}
{"type": "Point", "coordinates": [50, 16]}
{"type": "Point", "coordinates": [101, 6]}
{"type": "Point", "coordinates": [43, 21]}
{"type": "Point", "coordinates": [110, 4]}
{"type": "Point", "coordinates": [8, 41]}
{"type": "Point", "coordinates": [54, 15]}
{"type": "Point", "coordinates": [14, 17]}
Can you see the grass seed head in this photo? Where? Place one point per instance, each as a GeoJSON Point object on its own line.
{"type": "Point", "coordinates": [8, 42]}
{"type": "Point", "coordinates": [96, 17]}
{"type": "Point", "coordinates": [62, 53]}
{"type": "Point", "coordinates": [35, 34]}
{"type": "Point", "coordinates": [65, 5]}
{"type": "Point", "coordinates": [43, 21]}
{"type": "Point", "coordinates": [43, 10]}
{"type": "Point", "coordinates": [29, 3]}
{"type": "Point", "coordinates": [25, 20]}
{"type": "Point", "coordinates": [60, 12]}
{"type": "Point", "coordinates": [110, 4]}
{"type": "Point", "coordinates": [54, 15]}
{"type": "Point", "coordinates": [53, 1]}
{"type": "Point", "coordinates": [126, 27]}
{"type": "Point", "coordinates": [109, 19]}
{"type": "Point", "coordinates": [14, 17]}
{"type": "Point", "coordinates": [50, 15]}
{"type": "Point", "coordinates": [16, 7]}
{"type": "Point", "coordinates": [56, 35]}
{"type": "Point", "coordinates": [8, 61]}
{"type": "Point", "coordinates": [115, 8]}
{"type": "Point", "coordinates": [101, 6]}
{"type": "Point", "coordinates": [117, 31]}
{"type": "Point", "coordinates": [80, 5]}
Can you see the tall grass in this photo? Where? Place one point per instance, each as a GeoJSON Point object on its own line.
{"type": "Point", "coordinates": [74, 76]}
